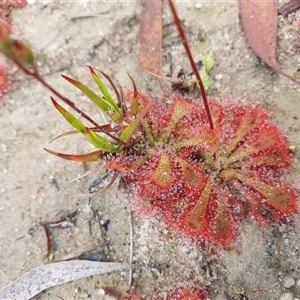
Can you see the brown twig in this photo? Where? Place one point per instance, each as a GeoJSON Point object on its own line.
{"type": "Point", "coordinates": [289, 8]}
{"type": "Point", "coordinates": [59, 222]}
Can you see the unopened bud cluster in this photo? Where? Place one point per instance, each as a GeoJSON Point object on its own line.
{"type": "Point", "coordinates": [15, 50]}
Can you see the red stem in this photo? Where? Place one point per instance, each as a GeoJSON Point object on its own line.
{"type": "Point", "coordinates": [192, 63]}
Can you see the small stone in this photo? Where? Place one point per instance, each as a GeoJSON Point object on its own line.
{"type": "Point", "coordinates": [286, 296]}
{"type": "Point", "coordinates": [283, 228]}
{"type": "Point", "coordinates": [298, 282]}
{"type": "Point", "coordinates": [219, 77]}
{"type": "Point", "coordinates": [101, 292]}
{"type": "Point", "coordinates": [288, 282]}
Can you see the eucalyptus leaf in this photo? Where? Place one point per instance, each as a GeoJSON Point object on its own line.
{"type": "Point", "coordinates": [44, 277]}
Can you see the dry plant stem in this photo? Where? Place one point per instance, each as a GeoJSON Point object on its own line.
{"type": "Point", "coordinates": [48, 225]}
{"type": "Point", "coordinates": [130, 249]}
{"type": "Point", "coordinates": [191, 60]}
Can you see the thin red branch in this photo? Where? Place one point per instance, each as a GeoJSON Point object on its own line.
{"type": "Point", "coordinates": [192, 63]}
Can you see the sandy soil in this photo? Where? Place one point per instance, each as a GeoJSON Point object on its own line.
{"type": "Point", "coordinates": [35, 186]}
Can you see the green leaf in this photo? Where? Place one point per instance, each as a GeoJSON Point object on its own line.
{"type": "Point", "coordinates": [104, 91]}
{"type": "Point", "coordinates": [99, 141]}
{"type": "Point", "coordinates": [208, 63]}
{"type": "Point", "coordinates": [69, 117]}
{"type": "Point", "coordinates": [205, 79]}
{"type": "Point", "coordinates": [95, 139]}
{"type": "Point", "coordinates": [102, 104]}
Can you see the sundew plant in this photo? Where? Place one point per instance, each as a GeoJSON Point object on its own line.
{"type": "Point", "coordinates": [198, 166]}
